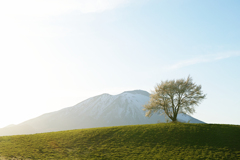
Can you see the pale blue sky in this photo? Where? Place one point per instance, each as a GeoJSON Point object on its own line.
{"type": "Point", "coordinates": [55, 54]}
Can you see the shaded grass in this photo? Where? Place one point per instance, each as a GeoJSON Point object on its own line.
{"type": "Point", "coordinates": [156, 141]}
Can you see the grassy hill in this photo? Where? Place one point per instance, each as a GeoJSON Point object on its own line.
{"type": "Point", "coordinates": [156, 141]}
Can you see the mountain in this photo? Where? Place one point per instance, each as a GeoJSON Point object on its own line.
{"type": "Point", "coordinates": [99, 111]}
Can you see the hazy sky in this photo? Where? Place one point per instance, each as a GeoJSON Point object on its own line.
{"type": "Point", "coordinates": [56, 53]}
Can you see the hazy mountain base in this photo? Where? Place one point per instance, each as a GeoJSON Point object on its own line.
{"type": "Point", "coordinates": [99, 111]}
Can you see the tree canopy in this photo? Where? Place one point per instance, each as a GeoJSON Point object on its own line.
{"type": "Point", "coordinates": [172, 97]}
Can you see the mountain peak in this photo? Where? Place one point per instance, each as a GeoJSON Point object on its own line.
{"type": "Point", "coordinates": [99, 111]}
{"type": "Point", "coordinates": [142, 92]}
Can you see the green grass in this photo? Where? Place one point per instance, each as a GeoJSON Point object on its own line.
{"type": "Point", "coordinates": [156, 141]}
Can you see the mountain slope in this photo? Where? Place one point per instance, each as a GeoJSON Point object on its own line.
{"type": "Point", "coordinates": [99, 111]}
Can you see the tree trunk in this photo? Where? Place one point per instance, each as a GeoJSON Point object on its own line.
{"type": "Point", "coordinates": [174, 119]}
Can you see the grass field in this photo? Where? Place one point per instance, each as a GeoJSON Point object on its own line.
{"type": "Point", "coordinates": [156, 141]}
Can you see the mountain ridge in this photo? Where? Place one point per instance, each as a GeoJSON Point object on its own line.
{"type": "Point", "coordinates": [98, 111]}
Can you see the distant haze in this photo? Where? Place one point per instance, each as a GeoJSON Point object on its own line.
{"type": "Point", "coordinates": [56, 53]}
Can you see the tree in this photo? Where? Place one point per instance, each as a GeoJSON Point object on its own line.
{"type": "Point", "coordinates": [174, 97]}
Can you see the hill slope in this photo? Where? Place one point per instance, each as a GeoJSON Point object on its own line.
{"type": "Point", "coordinates": [99, 111]}
{"type": "Point", "coordinates": [155, 141]}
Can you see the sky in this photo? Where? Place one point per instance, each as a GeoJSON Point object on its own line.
{"type": "Point", "coordinates": [57, 53]}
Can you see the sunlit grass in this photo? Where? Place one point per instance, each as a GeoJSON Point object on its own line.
{"type": "Point", "coordinates": [157, 141]}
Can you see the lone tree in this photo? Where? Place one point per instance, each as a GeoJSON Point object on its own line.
{"type": "Point", "coordinates": [173, 97]}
